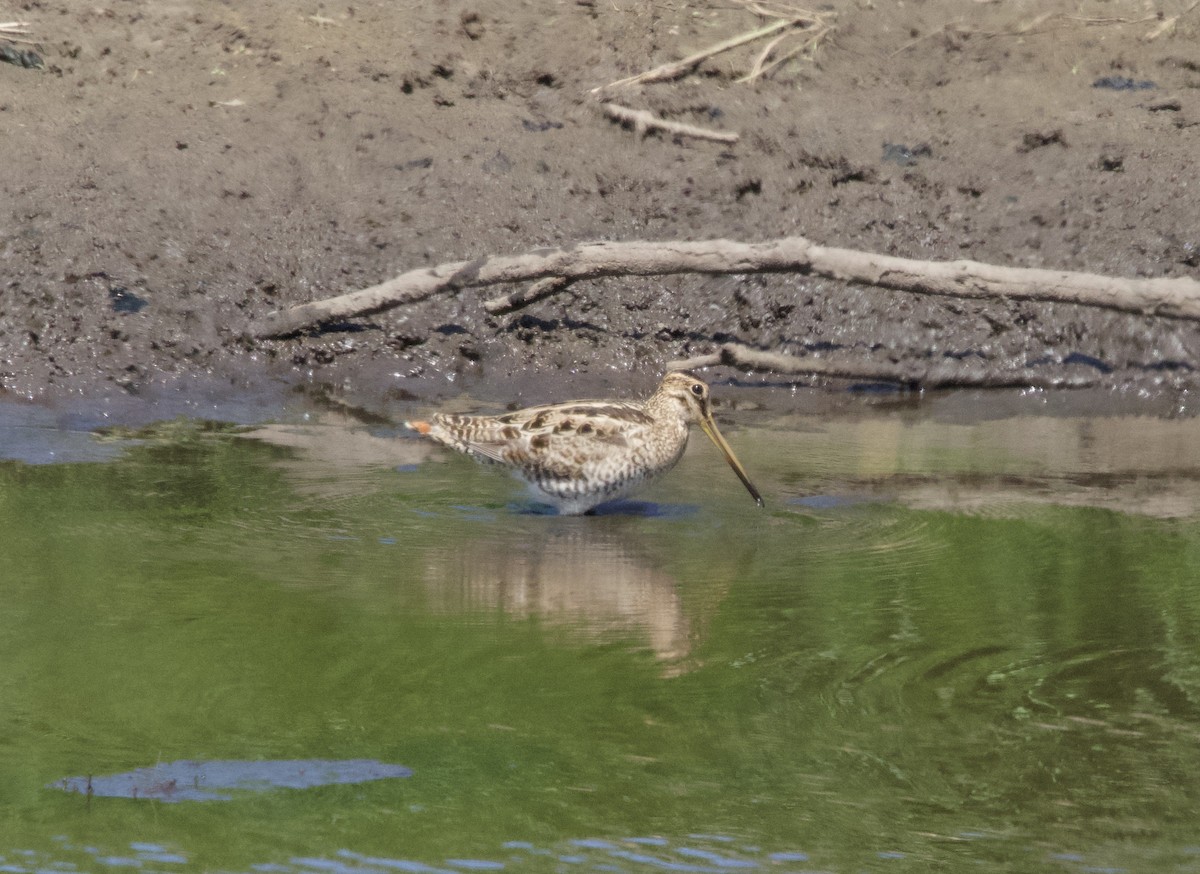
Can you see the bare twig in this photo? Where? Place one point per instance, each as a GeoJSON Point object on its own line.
{"type": "Point", "coordinates": [817, 29]}
{"type": "Point", "coordinates": [760, 63]}
{"type": "Point", "coordinates": [1172, 297]}
{"type": "Point", "coordinates": [9, 31]}
{"type": "Point", "coordinates": [675, 69]}
{"type": "Point", "coordinates": [522, 297]}
{"type": "Point", "coordinates": [643, 122]}
{"type": "Point", "coordinates": [787, 19]}
{"type": "Point", "coordinates": [779, 10]}
{"type": "Point", "coordinates": [781, 60]}
{"type": "Point", "coordinates": [933, 375]}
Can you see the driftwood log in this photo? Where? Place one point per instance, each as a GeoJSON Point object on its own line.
{"type": "Point", "coordinates": [1170, 297]}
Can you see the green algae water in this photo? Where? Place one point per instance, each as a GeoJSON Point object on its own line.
{"type": "Point", "coordinates": [942, 646]}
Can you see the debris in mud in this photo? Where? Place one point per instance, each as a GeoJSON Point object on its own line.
{"type": "Point", "coordinates": [854, 174]}
{"type": "Point", "coordinates": [539, 126]}
{"type": "Point", "coordinates": [125, 301]}
{"type": "Point", "coordinates": [26, 58]}
{"type": "Point", "coordinates": [498, 164]}
{"type": "Point", "coordinates": [471, 24]}
{"type": "Point", "coordinates": [747, 186]}
{"type": "Point", "coordinates": [1089, 361]}
{"type": "Point", "coordinates": [1123, 83]}
{"type": "Point", "coordinates": [898, 153]}
{"type": "Point", "coordinates": [1037, 140]}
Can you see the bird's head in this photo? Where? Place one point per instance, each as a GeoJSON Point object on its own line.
{"type": "Point", "coordinates": [689, 394]}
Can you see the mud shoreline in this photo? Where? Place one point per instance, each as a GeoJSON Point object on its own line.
{"type": "Point", "coordinates": [177, 171]}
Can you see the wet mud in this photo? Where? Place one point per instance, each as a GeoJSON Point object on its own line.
{"type": "Point", "coordinates": [174, 171]}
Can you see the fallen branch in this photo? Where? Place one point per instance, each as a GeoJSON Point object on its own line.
{"type": "Point", "coordinates": [1171, 297]}
{"type": "Point", "coordinates": [933, 375]}
{"type": "Point", "coordinates": [643, 122]}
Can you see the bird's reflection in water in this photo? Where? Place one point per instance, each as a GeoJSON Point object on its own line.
{"type": "Point", "coordinates": [575, 573]}
{"type": "Point", "coordinates": [591, 575]}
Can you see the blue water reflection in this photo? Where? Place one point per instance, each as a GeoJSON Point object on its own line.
{"type": "Point", "coordinates": [704, 854]}
{"type": "Point", "coordinates": [208, 781]}
{"type": "Point", "coordinates": [586, 854]}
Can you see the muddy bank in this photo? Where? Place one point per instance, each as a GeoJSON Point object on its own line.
{"type": "Point", "coordinates": [178, 170]}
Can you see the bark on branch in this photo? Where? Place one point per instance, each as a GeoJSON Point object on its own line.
{"type": "Point", "coordinates": [1173, 297]}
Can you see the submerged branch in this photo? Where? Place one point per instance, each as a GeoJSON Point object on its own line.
{"type": "Point", "coordinates": [932, 375]}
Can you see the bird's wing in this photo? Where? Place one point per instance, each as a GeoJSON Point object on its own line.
{"type": "Point", "coordinates": [557, 438]}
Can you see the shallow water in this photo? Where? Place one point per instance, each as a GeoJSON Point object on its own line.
{"type": "Point", "coordinates": [948, 642]}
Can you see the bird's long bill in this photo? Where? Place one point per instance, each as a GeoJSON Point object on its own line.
{"type": "Point", "coordinates": [710, 428]}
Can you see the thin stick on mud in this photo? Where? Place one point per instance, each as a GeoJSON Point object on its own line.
{"type": "Point", "coordinates": [644, 121]}
{"type": "Point", "coordinates": [1172, 297]}
{"type": "Point", "coordinates": [933, 375]}
{"type": "Point", "coordinates": [675, 69]}
{"type": "Point", "coordinates": [760, 63]}
{"type": "Point", "coordinates": [9, 31]}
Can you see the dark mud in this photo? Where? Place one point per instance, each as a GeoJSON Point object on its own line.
{"type": "Point", "coordinates": [179, 169]}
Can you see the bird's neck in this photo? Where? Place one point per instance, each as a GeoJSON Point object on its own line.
{"type": "Point", "coordinates": [664, 406]}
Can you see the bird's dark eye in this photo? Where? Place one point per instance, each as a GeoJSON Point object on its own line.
{"type": "Point", "coordinates": [697, 389]}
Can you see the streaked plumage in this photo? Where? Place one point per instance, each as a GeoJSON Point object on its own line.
{"type": "Point", "coordinates": [580, 454]}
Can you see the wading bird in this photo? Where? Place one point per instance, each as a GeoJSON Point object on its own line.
{"type": "Point", "coordinates": [577, 455]}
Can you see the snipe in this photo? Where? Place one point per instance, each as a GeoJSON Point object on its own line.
{"type": "Point", "coordinates": [580, 454]}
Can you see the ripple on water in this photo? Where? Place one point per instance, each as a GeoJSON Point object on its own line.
{"type": "Point", "coordinates": [853, 531]}
{"type": "Point", "coordinates": [701, 854]}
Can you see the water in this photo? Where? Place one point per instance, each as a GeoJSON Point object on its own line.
{"type": "Point", "coordinates": [948, 643]}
